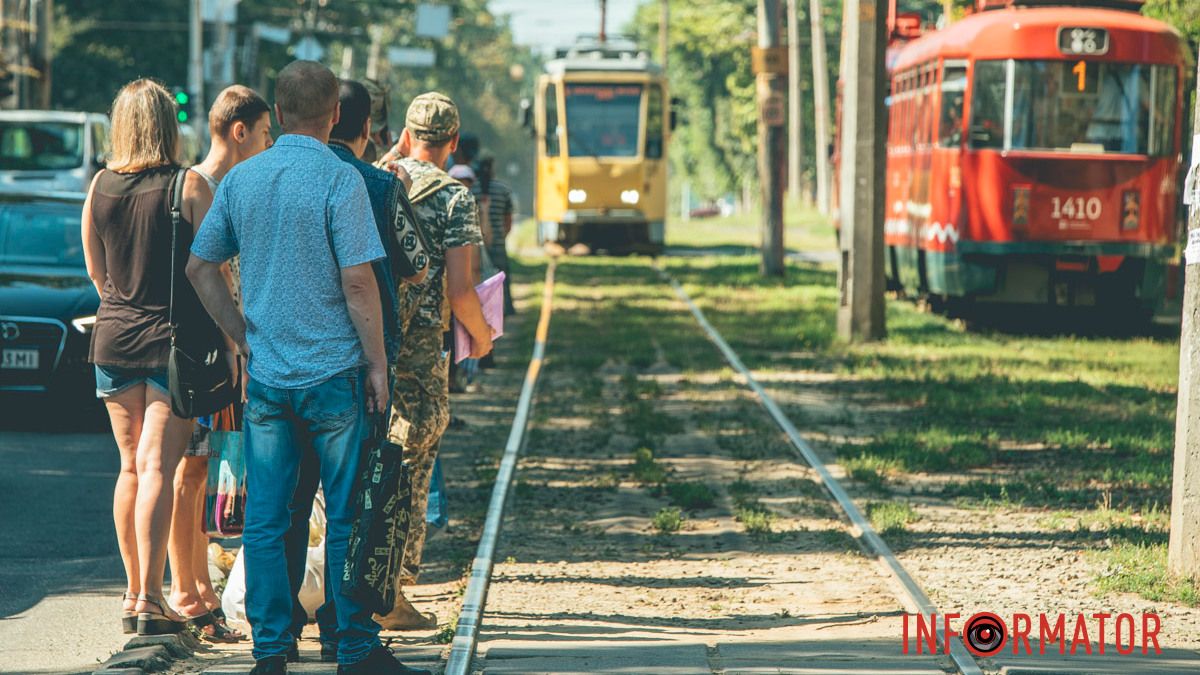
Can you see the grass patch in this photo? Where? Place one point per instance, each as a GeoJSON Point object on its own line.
{"type": "Point", "coordinates": [668, 520]}
{"type": "Point", "coordinates": [891, 517]}
{"type": "Point", "coordinates": [446, 635]}
{"type": "Point", "coordinates": [646, 470]}
{"type": "Point", "coordinates": [870, 470]}
{"type": "Point", "coordinates": [756, 520]}
{"type": "Point", "coordinates": [692, 496]}
{"type": "Point", "coordinates": [1134, 567]}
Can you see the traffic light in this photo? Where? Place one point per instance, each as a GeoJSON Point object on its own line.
{"type": "Point", "coordinates": [182, 98]}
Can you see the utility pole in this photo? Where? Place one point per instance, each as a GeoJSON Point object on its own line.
{"type": "Point", "coordinates": [196, 66]}
{"type": "Point", "coordinates": [664, 20]}
{"type": "Point", "coordinates": [795, 108]}
{"type": "Point", "coordinates": [1183, 551]}
{"type": "Point", "coordinates": [45, 51]}
{"type": "Point", "coordinates": [603, 21]}
{"type": "Point", "coordinates": [770, 65]}
{"type": "Point", "coordinates": [820, 105]}
{"type": "Point", "coordinates": [864, 121]}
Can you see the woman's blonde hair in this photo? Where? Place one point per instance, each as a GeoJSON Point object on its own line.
{"type": "Point", "coordinates": [145, 130]}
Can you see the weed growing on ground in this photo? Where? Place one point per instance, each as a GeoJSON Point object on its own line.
{"type": "Point", "coordinates": [891, 517]}
{"type": "Point", "coordinates": [446, 635]}
{"type": "Point", "coordinates": [691, 496]}
{"type": "Point", "coordinates": [870, 470]}
{"type": "Point", "coordinates": [757, 520]}
{"type": "Point", "coordinates": [668, 520]}
{"type": "Point", "coordinates": [1142, 568]}
{"type": "Point", "coordinates": [647, 470]}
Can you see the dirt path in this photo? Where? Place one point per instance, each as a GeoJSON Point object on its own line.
{"type": "Point", "coordinates": [764, 576]}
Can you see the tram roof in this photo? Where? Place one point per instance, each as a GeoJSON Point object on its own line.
{"type": "Point", "coordinates": [1031, 32]}
{"type": "Point", "coordinates": [593, 55]}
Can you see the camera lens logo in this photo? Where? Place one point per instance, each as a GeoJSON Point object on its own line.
{"type": "Point", "coordinates": [984, 634]}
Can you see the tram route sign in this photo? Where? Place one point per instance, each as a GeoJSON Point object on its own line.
{"type": "Point", "coordinates": [1082, 41]}
{"type": "Point", "coordinates": [769, 60]}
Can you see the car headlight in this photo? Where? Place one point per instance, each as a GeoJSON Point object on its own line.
{"type": "Point", "coordinates": [576, 196]}
{"type": "Point", "coordinates": [84, 324]}
{"type": "Point", "coordinates": [630, 197]}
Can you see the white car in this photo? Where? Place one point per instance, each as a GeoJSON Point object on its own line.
{"type": "Point", "coordinates": [49, 150]}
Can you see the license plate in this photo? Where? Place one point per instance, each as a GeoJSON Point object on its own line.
{"type": "Point", "coordinates": [19, 359]}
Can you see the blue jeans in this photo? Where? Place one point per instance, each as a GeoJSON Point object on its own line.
{"type": "Point", "coordinates": [296, 545]}
{"type": "Point", "coordinates": [280, 424]}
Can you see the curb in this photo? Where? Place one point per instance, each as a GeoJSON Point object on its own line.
{"type": "Point", "coordinates": [151, 653]}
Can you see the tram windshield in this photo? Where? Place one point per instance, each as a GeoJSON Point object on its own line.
{"type": "Point", "coordinates": [603, 119]}
{"type": "Point", "coordinates": [1074, 106]}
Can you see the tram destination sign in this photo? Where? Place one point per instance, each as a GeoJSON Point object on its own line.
{"type": "Point", "coordinates": [1082, 41]}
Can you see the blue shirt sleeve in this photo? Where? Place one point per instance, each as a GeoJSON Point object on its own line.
{"type": "Point", "coordinates": [215, 240]}
{"type": "Point", "coordinates": [352, 223]}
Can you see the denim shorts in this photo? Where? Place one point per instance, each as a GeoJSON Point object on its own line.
{"type": "Point", "coordinates": [111, 380]}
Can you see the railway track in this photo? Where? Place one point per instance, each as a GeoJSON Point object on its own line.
{"type": "Point", "coordinates": [466, 639]}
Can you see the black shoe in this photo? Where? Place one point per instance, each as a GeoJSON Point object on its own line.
{"type": "Point", "coordinates": [380, 661]}
{"type": "Point", "coordinates": [293, 655]}
{"type": "Point", "coordinates": [329, 652]}
{"type": "Point", "coordinates": [272, 665]}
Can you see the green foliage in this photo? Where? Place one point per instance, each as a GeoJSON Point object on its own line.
{"type": "Point", "coordinates": [691, 496]}
{"type": "Point", "coordinates": [100, 46]}
{"type": "Point", "coordinates": [891, 517]}
{"type": "Point", "coordinates": [1183, 14]}
{"type": "Point", "coordinates": [646, 469]}
{"type": "Point", "coordinates": [714, 147]}
{"type": "Point", "coordinates": [668, 520]}
{"type": "Point", "coordinates": [1139, 567]}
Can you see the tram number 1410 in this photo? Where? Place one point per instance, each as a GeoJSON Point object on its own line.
{"type": "Point", "coordinates": [1076, 207]}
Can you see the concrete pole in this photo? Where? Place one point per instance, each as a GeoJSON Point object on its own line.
{"type": "Point", "coordinates": [45, 34]}
{"type": "Point", "coordinates": [820, 105]}
{"type": "Point", "coordinates": [1183, 551]}
{"type": "Point", "coordinates": [196, 67]}
{"type": "Point", "coordinates": [772, 152]}
{"type": "Point", "coordinates": [864, 123]}
{"type": "Point", "coordinates": [795, 108]}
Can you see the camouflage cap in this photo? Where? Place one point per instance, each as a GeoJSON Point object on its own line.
{"type": "Point", "coordinates": [432, 117]}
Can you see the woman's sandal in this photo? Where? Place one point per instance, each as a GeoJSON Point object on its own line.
{"type": "Point", "coordinates": [208, 627]}
{"type": "Point", "coordinates": [219, 614]}
{"type": "Point", "coordinates": [157, 623]}
{"type": "Point", "coordinates": [128, 616]}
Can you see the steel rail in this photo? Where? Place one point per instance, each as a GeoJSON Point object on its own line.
{"type": "Point", "coordinates": [913, 596]}
{"type": "Point", "coordinates": [466, 635]}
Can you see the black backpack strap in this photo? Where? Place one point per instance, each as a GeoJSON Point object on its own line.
{"type": "Point", "coordinates": [175, 199]}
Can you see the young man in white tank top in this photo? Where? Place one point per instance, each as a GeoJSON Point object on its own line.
{"type": "Point", "coordinates": [240, 126]}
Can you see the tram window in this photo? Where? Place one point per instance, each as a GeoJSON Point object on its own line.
{"type": "Point", "coordinates": [552, 121]}
{"type": "Point", "coordinates": [954, 86]}
{"type": "Point", "coordinates": [603, 119]}
{"type": "Point", "coordinates": [654, 123]}
{"type": "Point", "coordinates": [1063, 106]}
{"type": "Point", "coordinates": [987, 104]}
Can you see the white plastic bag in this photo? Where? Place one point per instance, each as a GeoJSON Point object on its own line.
{"type": "Point", "coordinates": [312, 591]}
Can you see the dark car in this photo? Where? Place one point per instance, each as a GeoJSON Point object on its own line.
{"type": "Point", "coordinates": [47, 303]}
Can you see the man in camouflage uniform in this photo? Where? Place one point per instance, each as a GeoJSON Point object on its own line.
{"type": "Point", "coordinates": [420, 396]}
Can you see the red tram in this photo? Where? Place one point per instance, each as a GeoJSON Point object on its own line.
{"type": "Point", "coordinates": [1033, 156]}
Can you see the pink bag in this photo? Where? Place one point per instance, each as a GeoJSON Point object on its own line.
{"type": "Point", "coordinates": [491, 300]}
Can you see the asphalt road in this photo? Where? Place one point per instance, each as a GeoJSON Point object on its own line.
{"type": "Point", "coordinates": [60, 574]}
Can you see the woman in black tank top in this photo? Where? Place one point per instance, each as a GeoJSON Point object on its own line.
{"type": "Point", "coordinates": [127, 237]}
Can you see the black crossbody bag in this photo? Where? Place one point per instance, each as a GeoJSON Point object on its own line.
{"type": "Point", "coordinates": [199, 380]}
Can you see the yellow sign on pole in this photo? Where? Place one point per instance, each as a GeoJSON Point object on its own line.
{"type": "Point", "coordinates": [769, 60]}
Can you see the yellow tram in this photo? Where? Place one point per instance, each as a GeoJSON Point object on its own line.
{"type": "Point", "coordinates": [602, 124]}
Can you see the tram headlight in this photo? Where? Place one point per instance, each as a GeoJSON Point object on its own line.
{"type": "Point", "coordinates": [630, 197]}
{"type": "Point", "coordinates": [1131, 210]}
{"type": "Point", "coordinates": [576, 196]}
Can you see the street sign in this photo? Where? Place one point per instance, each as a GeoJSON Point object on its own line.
{"type": "Point", "coordinates": [433, 21]}
{"type": "Point", "coordinates": [280, 36]}
{"type": "Point", "coordinates": [223, 11]}
{"type": "Point", "coordinates": [308, 49]}
{"type": "Point", "coordinates": [412, 57]}
{"type": "Point", "coordinates": [774, 111]}
{"type": "Point", "coordinates": [769, 60]}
